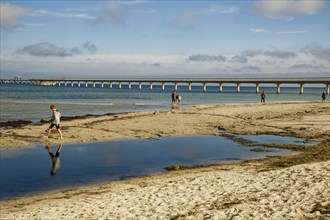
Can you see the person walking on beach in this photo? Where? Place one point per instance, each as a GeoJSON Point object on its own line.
{"type": "Point", "coordinates": [323, 96]}
{"type": "Point", "coordinates": [173, 96]}
{"type": "Point", "coordinates": [55, 121]}
{"type": "Point", "coordinates": [56, 163]}
{"type": "Point", "coordinates": [263, 97]}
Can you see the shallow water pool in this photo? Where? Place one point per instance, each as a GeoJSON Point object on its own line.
{"type": "Point", "coordinates": [27, 171]}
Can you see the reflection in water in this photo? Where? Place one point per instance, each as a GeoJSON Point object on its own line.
{"type": "Point", "coordinates": [56, 162]}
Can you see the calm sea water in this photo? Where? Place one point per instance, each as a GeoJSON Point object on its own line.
{"type": "Point", "coordinates": [32, 102]}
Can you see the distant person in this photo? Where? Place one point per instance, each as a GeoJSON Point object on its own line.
{"type": "Point", "coordinates": [56, 163]}
{"type": "Point", "coordinates": [173, 96]}
{"type": "Point", "coordinates": [323, 96]}
{"type": "Point", "coordinates": [55, 121]}
{"type": "Point", "coordinates": [263, 97]}
{"type": "Point", "coordinates": [178, 98]}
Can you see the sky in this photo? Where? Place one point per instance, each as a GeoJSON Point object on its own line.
{"type": "Point", "coordinates": [139, 38]}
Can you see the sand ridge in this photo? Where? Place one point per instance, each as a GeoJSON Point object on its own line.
{"type": "Point", "coordinates": [303, 119]}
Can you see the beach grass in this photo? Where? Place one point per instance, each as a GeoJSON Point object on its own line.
{"type": "Point", "coordinates": [310, 154]}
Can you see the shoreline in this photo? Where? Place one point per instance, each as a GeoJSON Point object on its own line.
{"type": "Point", "coordinates": [294, 185]}
{"type": "Point", "coordinates": [14, 123]}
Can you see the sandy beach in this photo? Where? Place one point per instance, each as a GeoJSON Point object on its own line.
{"type": "Point", "coordinates": [247, 190]}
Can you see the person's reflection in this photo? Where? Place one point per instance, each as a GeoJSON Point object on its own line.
{"type": "Point", "coordinates": [56, 163]}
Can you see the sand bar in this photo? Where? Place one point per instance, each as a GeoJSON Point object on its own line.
{"type": "Point", "coordinates": [305, 119]}
{"type": "Point", "coordinates": [229, 191]}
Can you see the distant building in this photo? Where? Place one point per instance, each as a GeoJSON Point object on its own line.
{"type": "Point", "coordinates": [17, 78]}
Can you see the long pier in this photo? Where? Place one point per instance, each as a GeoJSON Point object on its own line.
{"type": "Point", "coordinates": [175, 81]}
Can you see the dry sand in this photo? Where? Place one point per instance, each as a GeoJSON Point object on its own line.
{"type": "Point", "coordinates": [230, 191]}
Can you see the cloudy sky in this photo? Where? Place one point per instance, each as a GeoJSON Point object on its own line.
{"type": "Point", "coordinates": [140, 38]}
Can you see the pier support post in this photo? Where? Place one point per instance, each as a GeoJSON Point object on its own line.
{"type": "Point", "coordinates": [65, 84]}
{"type": "Point", "coordinates": [189, 87]}
{"type": "Point", "coordinates": [327, 89]}
{"type": "Point", "coordinates": [163, 86]}
{"type": "Point", "coordinates": [110, 85]}
{"type": "Point", "coordinates": [71, 84]}
{"type": "Point", "coordinates": [150, 86]}
{"type": "Point", "coordinates": [220, 87]}
{"type": "Point", "coordinates": [301, 88]}
{"type": "Point", "coordinates": [78, 84]}
{"type": "Point", "coordinates": [59, 83]}
{"type": "Point", "coordinates": [204, 87]}
{"type": "Point", "coordinates": [129, 85]}
{"type": "Point", "coordinates": [102, 84]}
{"type": "Point", "coordinates": [140, 85]}
{"type": "Point", "coordinates": [238, 87]}
{"type": "Point", "coordinates": [119, 85]}
{"type": "Point", "coordinates": [86, 84]}
{"type": "Point", "coordinates": [278, 88]}
{"type": "Point", "coordinates": [257, 87]}
{"type": "Point", "coordinates": [94, 85]}
{"type": "Point", "coordinates": [176, 86]}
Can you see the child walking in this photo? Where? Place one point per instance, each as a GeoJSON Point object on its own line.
{"type": "Point", "coordinates": [55, 121]}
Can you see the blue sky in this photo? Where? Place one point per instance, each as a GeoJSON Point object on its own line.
{"type": "Point", "coordinates": [165, 38]}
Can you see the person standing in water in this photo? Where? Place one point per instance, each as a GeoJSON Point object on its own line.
{"type": "Point", "coordinates": [173, 96]}
{"type": "Point", "coordinates": [323, 96]}
{"type": "Point", "coordinates": [263, 97]}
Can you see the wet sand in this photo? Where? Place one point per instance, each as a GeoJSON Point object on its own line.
{"type": "Point", "coordinates": [228, 191]}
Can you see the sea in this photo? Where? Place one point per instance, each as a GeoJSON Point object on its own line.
{"type": "Point", "coordinates": [31, 102]}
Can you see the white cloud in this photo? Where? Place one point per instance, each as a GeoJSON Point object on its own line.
{"type": "Point", "coordinates": [112, 13]}
{"type": "Point", "coordinates": [276, 9]}
{"type": "Point", "coordinates": [317, 50]}
{"type": "Point", "coordinates": [291, 32]}
{"type": "Point", "coordinates": [206, 58]}
{"type": "Point", "coordinates": [144, 11]}
{"type": "Point", "coordinates": [45, 49]}
{"type": "Point", "coordinates": [10, 16]}
{"type": "Point", "coordinates": [218, 9]}
{"type": "Point", "coordinates": [311, 60]}
{"type": "Point", "coordinates": [89, 46]}
{"type": "Point", "coordinates": [79, 15]}
{"type": "Point", "coordinates": [188, 19]}
{"type": "Point", "coordinates": [33, 24]}
{"type": "Point", "coordinates": [185, 20]}
{"type": "Point", "coordinates": [239, 59]}
{"type": "Point", "coordinates": [288, 19]}
{"type": "Point", "coordinates": [132, 2]}
{"type": "Point", "coordinates": [258, 30]}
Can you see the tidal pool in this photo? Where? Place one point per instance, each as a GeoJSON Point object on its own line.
{"type": "Point", "coordinates": [26, 171]}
